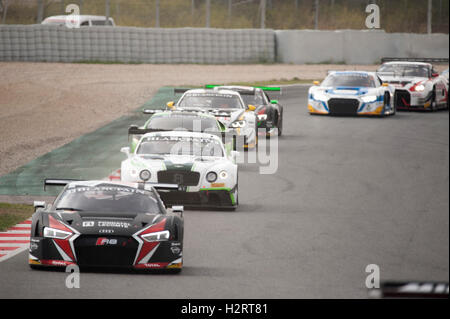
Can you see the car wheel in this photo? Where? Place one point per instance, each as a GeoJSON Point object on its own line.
{"type": "Point", "coordinates": [280, 126]}
{"type": "Point", "coordinates": [433, 101]}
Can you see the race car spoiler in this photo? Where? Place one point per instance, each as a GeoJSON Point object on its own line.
{"type": "Point", "coordinates": [152, 111]}
{"type": "Point", "coordinates": [135, 130]}
{"type": "Point", "coordinates": [264, 88]}
{"type": "Point", "coordinates": [161, 187]}
{"type": "Point", "coordinates": [425, 60]}
{"type": "Point", "coordinates": [146, 186]}
{"type": "Point", "coordinates": [58, 182]}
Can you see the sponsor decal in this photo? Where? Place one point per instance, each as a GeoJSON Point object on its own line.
{"type": "Point", "coordinates": [114, 224]}
{"type": "Point", "coordinates": [88, 224]}
{"type": "Point", "coordinates": [103, 241]}
{"type": "Point", "coordinates": [106, 231]}
{"type": "Point", "coordinates": [152, 265]}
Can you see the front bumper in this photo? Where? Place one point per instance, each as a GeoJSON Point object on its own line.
{"type": "Point", "coordinates": [405, 100]}
{"type": "Point", "coordinates": [205, 198]}
{"type": "Point", "coordinates": [345, 107]}
{"type": "Point", "coordinates": [166, 255]}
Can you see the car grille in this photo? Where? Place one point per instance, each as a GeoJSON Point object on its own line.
{"type": "Point", "coordinates": [343, 106]}
{"type": "Point", "coordinates": [182, 178]}
{"type": "Point", "coordinates": [402, 98]}
{"type": "Point", "coordinates": [88, 253]}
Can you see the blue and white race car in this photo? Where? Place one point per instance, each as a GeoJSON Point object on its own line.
{"type": "Point", "coordinates": [351, 93]}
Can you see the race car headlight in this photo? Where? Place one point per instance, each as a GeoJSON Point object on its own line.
{"type": "Point", "coordinates": [211, 177]}
{"type": "Point", "coordinates": [223, 175]}
{"type": "Point", "coordinates": [420, 88]}
{"type": "Point", "coordinates": [369, 98]}
{"type": "Point", "coordinates": [158, 236]}
{"type": "Point", "coordinates": [56, 233]}
{"type": "Point", "coordinates": [145, 175]}
{"type": "Point", "coordinates": [238, 124]}
{"type": "Point", "coordinates": [319, 96]}
{"type": "Point", "coordinates": [262, 117]}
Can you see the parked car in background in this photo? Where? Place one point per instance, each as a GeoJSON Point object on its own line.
{"type": "Point", "coordinates": [85, 20]}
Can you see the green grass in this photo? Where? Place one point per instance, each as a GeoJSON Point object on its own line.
{"type": "Point", "coordinates": [12, 214]}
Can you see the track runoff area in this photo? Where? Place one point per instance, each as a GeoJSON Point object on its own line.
{"type": "Point", "coordinates": [347, 194]}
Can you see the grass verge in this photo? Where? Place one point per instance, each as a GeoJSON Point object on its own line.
{"type": "Point", "coordinates": [12, 214]}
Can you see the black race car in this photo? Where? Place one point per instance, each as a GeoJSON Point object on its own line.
{"type": "Point", "coordinates": [107, 224]}
{"type": "Point", "coordinates": [269, 113]}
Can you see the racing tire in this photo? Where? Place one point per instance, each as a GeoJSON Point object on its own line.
{"type": "Point", "coordinates": [433, 107]}
{"type": "Point", "coordinates": [280, 126]}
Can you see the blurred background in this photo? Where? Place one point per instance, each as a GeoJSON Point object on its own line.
{"type": "Point", "coordinates": [412, 16]}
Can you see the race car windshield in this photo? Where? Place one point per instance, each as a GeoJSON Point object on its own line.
{"type": "Point", "coordinates": [253, 99]}
{"type": "Point", "coordinates": [405, 70]}
{"type": "Point", "coordinates": [349, 80]}
{"type": "Point", "coordinates": [108, 198]}
{"type": "Point", "coordinates": [211, 101]}
{"type": "Point", "coordinates": [190, 123]}
{"type": "Point", "coordinates": [180, 146]}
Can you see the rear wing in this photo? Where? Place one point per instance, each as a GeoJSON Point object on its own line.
{"type": "Point", "coordinates": [180, 90]}
{"type": "Point", "coordinates": [58, 182]}
{"type": "Point", "coordinates": [135, 130]}
{"type": "Point", "coordinates": [152, 111]}
{"type": "Point", "coordinates": [264, 88]}
{"type": "Point", "coordinates": [161, 187]}
{"type": "Point", "coordinates": [425, 60]}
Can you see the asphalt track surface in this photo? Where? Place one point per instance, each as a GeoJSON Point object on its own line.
{"type": "Point", "coordinates": [348, 192]}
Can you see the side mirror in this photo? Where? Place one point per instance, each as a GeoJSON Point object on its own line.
{"type": "Point", "coordinates": [38, 204]}
{"type": "Point", "coordinates": [178, 209]}
{"type": "Point", "coordinates": [251, 107]}
{"type": "Point", "coordinates": [316, 83]}
{"type": "Point", "coordinates": [274, 102]}
{"type": "Point", "coordinates": [171, 105]}
{"type": "Point", "coordinates": [125, 150]}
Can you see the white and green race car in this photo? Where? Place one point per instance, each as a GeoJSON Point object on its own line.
{"type": "Point", "coordinates": [207, 175]}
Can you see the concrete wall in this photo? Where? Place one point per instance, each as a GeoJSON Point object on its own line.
{"type": "Point", "coordinates": [356, 47]}
{"type": "Point", "coordinates": [129, 44]}
{"type": "Point", "coordinates": [213, 46]}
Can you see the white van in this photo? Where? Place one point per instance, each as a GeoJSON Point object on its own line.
{"type": "Point", "coordinates": [85, 20]}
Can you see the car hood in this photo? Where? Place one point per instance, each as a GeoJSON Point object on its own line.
{"type": "Point", "coordinates": [107, 223]}
{"type": "Point", "coordinates": [344, 90]}
{"type": "Point", "coordinates": [176, 162]}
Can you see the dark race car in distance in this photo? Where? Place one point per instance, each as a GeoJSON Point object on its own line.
{"type": "Point", "coordinates": [269, 113]}
{"type": "Point", "coordinates": [107, 224]}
